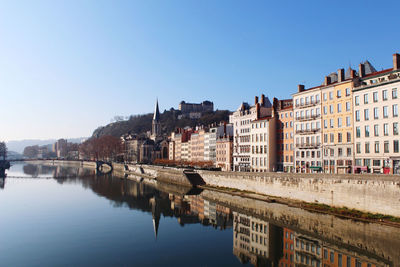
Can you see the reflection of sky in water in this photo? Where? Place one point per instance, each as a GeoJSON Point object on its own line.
{"type": "Point", "coordinates": [45, 224]}
{"type": "Point", "coordinates": [101, 220]}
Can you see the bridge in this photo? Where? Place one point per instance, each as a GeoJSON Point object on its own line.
{"type": "Point", "coordinates": [101, 165]}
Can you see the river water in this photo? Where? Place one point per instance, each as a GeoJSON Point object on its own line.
{"type": "Point", "coordinates": [64, 216]}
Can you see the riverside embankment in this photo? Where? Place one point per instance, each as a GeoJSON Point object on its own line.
{"type": "Point", "coordinates": [366, 193]}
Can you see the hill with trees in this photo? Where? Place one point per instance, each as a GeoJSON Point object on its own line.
{"type": "Point", "coordinates": [140, 124]}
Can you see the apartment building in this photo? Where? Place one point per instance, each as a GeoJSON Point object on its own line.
{"type": "Point", "coordinates": [241, 120]}
{"type": "Point", "coordinates": [285, 126]}
{"type": "Point", "coordinates": [224, 149]}
{"type": "Point", "coordinates": [211, 137]}
{"type": "Point", "coordinates": [197, 145]}
{"type": "Point", "coordinates": [263, 152]}
{"type": "Point", "coordinates": [307, 134]}
{"type": "Point", "coordinates": [337, 123]}
{"type": "Point", "coordinates": [376, 120]}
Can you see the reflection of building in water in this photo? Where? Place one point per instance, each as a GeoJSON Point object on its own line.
{"type": "Point", "coordinates": [194, 209]}
{"type": "Point", "coordinates": [333, 256]}
{"type": "Point", "coordinates": [2, 182]}
{"type": "Point", "coordinates": [156, 212]}
{"type": "Point", "coordinates": [313, 252]}
{"type": "Point", "coordinates": [287, 259]}
{"type": "Point", "coordinates": [256, 241]}
{"type": "Point", "coordinates": [307, 251]}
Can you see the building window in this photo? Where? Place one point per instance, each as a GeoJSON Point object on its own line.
{"type": "Point", "coordinates": [365, 98]}
{"type": "Point", "coordinates": [348, 137]}
{"type": "Point", "coordinates": [385, 112]}
{"type": "Point", "coordinates": [377, 147]}
{"type": "Point", "coordinates": [339, 93]}
{"type": "Point", "coordinates": [396, 146]}
{"type": "Point", "coordinates": [339, 121]}
{"type": "Point", "coordinates": [348, 121]}
{"type": "Point", "coordinates": [332, 137]}
{"type": "Point", "coordinates": [366, 114]}
{"type": "Point", "coordinates": [386, 146]}
{"type": "Point", "coordinates": [376, 162]}
{"type": "Point", "coordinates": [331, 109]}
{"type": "Point", "coordinates": [357, 115]}
{"type": "Point", "coordinates": [357, 100]}
{"type": "Point", "coordinates": [366, 147]}
{"type": "Point", "coordinates": [332, 124]}
{"type": "Point", "coordinates": [358, 148]}
{"type": "Point", "coordinates": [348, 106]}
{"type": "Point", "coordinates": [330, 95]}
{"type": "Point", "coordinates": [375, 94]}
{"type": "Point", "coordinates": [385, 129]}
{"type": "Point", "coordinates": [395, 110]}
{"type": "Point", "coordinates": [325, 138]}
{"type": "Point", "coordinates": [339, 107]}
{"type": "Point", "coordinates": [325, 124]}
{"type": "Point", "coordinates": [349, 152]}
{"type": "Point", "coordinates": [376, 113]}
{"type": "Point", "coordinates": [384, 95]}
{"type": "Point", "coordinates": [347, 91]}
{"type": "Point", "coordinates": [339, 137]}
{"type": "Point", "coordinates": [358, 132]}
{"type": "Point", "coordinates": [394, 93]}
{"type": "Point", "coordinates": [376, 130]}
{"type": "Point", "coordinates": [366, 131]}
{"type": "Point", "coordinates": [325, 97]}
{"type": "Point", "coordinates": [395, 128]}
{"type": "Point", "coordinates": [325, 110]}
{"type": "Point", "coordinates": [340, 152]}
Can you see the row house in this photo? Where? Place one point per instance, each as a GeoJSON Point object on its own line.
{"type": "Point", "coordinates": [210, 139]}
{"type": "Point", "coordinates": [337, 122]}
{"type": "Point", "coordinates": [242, 119]}
{"type": "Point", "coordinates": [263, 144]}
{"type": "Point", "coordinates": [376, 120]}
{"type": "Point", "coordinates": [224, 151]}
{"type": "Point", "coordinates": [307, 132]}
{"type": "Point", "coordinates": [285, 148]}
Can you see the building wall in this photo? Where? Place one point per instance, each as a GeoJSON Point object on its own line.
{"type": "Point", "coordinates": [285, 135]}
{"type": "Point", "coordinates": [374, 159]}
{"type": "Point", "coordinates": [224, 149]}
{"type": "Point", "coordinates": [307, 134]}
{"type": "Point", "coordinates": [337, 137]}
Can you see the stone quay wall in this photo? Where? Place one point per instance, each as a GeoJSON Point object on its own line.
{"type": "Point", "coordinates": [367, 193]}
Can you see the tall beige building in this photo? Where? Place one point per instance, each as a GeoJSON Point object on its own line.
{"type": "Point", "coordinates": [376, 120]}
{"type": "Point", "coordinates": [337, 122]}
{"type": "Point", "coordinates": [307, 132]}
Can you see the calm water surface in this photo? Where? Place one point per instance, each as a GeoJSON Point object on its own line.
{"type": "Point", "coordinates": [59, 216]}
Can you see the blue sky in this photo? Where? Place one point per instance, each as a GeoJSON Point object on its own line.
{"type": "Point", "coordinates": [67, 67]}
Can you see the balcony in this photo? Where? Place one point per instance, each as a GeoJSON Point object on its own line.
{"type": "Point", "coordinates": [308, 118]}
{"type": "Point", "coordinates": [308, 131]}
{"type": "Point", "coordinates": [308, 104]}
{"type": "Point", "coordinates": [308, 145]}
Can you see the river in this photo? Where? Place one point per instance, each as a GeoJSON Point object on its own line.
{"type": "Point", "coordinates": [66, 216]}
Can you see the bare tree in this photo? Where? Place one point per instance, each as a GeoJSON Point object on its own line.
{"type": "Point", "coordinates": [3, 150]}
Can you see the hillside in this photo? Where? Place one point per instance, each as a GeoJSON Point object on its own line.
{"type": "Point", "coordinates": [140, 124]}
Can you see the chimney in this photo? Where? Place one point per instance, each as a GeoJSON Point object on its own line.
{"type": "Point", "coordinates": [300, 88]}
{"type": "Point", "coordinates": [361, 70]}
{"type": "Point", "coordinates": [258, 110]}
{"type": "Point", "coordinates": [262, 100]}
{"type": "Point", "coordinates": [340, 75]}
{"type": "Point", "coordinates": [275, 102]}
{"type": "Point", "coordinates": [396, 61]}
{"type": "Point", "coordinates": [327, 80]}
{"type": "Point", "coordinates": [255, 100]}
{"type": "Point", "coordinates": [352, 74]}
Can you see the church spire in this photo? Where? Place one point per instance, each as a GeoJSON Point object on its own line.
{"type": "Point", "coordinates": [156, 116]}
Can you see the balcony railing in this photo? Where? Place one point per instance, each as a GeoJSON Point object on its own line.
{"type": "Point", "coordinates": [308, 104]}
{"type": "Point", "coordinates": [307, 118]}
{"type": "Point", "coordinates": [308, 131]}
{"type": "Point", "coordinates": [308, 145]}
